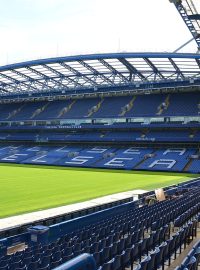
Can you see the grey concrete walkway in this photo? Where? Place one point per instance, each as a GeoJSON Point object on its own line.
{"type": "Point", "coordinates": [10, 222]}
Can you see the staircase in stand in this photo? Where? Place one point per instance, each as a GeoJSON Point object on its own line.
{"type": "Point", "coordinates": [187, 166]}
{"type": "Point", "coordinates": [39, 111]}
{"type": "Point", "coordinates": [95, 108]}
{"type": "Point", "coordinates": [66, 109]}
{"type": "Point", "coordinates": [15, 112]}
{"type": "Point", "coordinates": [162, 108]}
{"type": "Point", "coordinates": [127, 107]}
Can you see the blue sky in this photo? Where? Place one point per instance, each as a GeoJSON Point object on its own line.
{"type": "Point", "coordinates": [32, 29]}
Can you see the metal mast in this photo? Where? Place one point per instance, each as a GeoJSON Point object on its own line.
{"type": "Point", "coordinates": [191, 17]}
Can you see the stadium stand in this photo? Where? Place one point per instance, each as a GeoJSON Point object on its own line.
{"type": "Point", "coordinates": [195, 165]}
{"type": "Point", "coordinates": [133, 111]}
{"type": "Point", "coordinates": [184, 104]}
{"type": "Point", "coordinates": [151, 124]}
{"type": "Point", "coordinates": [126, 114]}
{"type": "Point", "coordinates": [103, 122]}
{"type": "Point", "coordinates": [169, 159]}
{"type": "Point", "coordinates": [145, 237]}
{"type": "Point", "coordinates": [132, 158]}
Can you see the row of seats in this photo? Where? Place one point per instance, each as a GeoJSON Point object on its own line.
{"type": "Point", "coordinates": [125, 237]}
{"type": "Point", "coordinates": [73, 215]}
{"type": "Point", "coordinates": [184, 104]}
{"type": "Point", "coordinates": [158, 256]}
{"type": "Point", "coordinates": [175, 160]}
{"type": "Point", "coordinates": [110, 157]}
{"type": "Point", "coordinates": [192, 259]}
{"type": "Point", "coordinates": [168, 250]}
{"type": "Point", "coordinates": [162, 254]}
{"type": "Point", "coordinates": [61, 218]}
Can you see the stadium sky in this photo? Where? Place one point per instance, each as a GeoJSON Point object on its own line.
{"type": "Point", "coordinates": [32, 29]}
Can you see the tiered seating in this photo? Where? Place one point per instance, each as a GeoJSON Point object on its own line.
{"type": "Point", "coordinates": [7, 110]}
{"type": "Point", "coordinates": [168, 160]}
{"type": "Point", "coordinates": [30, 110]}
{"type": "Point", "coordinates": [131, 158]}
{"type": "Point", "coordinates": [192, 260]}
{"type": "Point", "coordinates": [145, 105]}
{"type": "Point", "coordinates": [126, 158]}
{"type": "Point", "coordinates": [134, 236]}
{"type": "Point", "coordinates": [195, 166]}
{"type": "Point", "coordinates": [81, 108]}
{"type": "Point", "coordinates": [53, 110]}
{"type": "Point", "coordinates": [184, 104]}
{"type": "Point", "coordinates": [164, 105]}
{"type": "Point", "coordinates": [87, 157]}
{"type": "Point", "coordinates": [111, 107]}
{"type": "Point", "coordinates": [125, 109]}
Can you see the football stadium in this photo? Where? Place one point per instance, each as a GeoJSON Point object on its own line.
{"type": "Point", "coordinates": [100, 159]}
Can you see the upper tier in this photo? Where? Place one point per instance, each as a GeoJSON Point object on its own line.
{"type": "Point", "coordinates": [160, 105]}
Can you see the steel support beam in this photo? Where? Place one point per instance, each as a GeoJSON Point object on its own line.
{"type": "Point", "coordinates": [16, 82]}
{"type": "Point", "coordinates": [78, 74]}
{"type": "Point", "coordinates": [114, 71]}
{"type": "Point", "coordinates": [43, 77]}
{"type": "Point", "coordinates": [131, 69]}
{"type": "Point", "coordinates": [94, 71]}
{"type": "Point", "coordinates": [178, 71]}
{"type": "Point", "coordinates": [154, 68]}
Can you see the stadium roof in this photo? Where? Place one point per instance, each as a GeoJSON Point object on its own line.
{"type": "Point", "coordinates": [100, 72]}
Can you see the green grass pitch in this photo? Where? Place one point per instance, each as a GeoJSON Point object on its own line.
{"type": "Point", "coordinates": [30, 188]}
